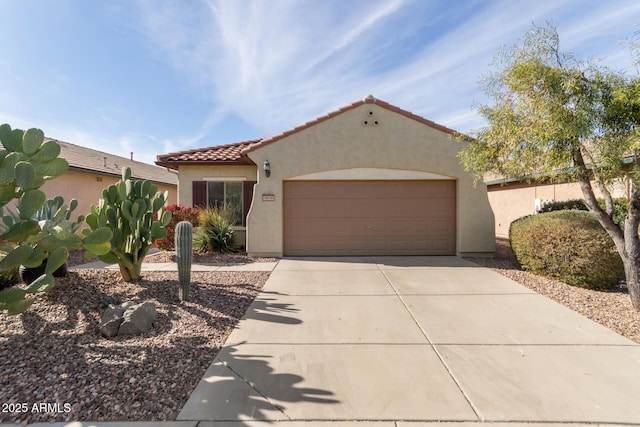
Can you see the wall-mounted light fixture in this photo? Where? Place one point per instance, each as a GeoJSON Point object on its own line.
{"type": "Point", "coordinates": [267, 168]}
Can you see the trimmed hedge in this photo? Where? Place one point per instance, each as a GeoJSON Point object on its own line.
{"type": "Point", "coordinates": [619, 205]}
{"type": "Point", "coordinates": [574, 204]}
{"type": "Point", "coordinates": [567, 245]}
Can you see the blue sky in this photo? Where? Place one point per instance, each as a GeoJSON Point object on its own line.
{"type": "Point", "coordinates": [155, 76]}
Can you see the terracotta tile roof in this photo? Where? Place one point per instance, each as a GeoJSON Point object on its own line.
{"type": "Point", "coordinates": [236, 153]}
{"type": "Point", "coordinates": [219, 154]}
{"type": "Point", "coordinates": [89, 160]}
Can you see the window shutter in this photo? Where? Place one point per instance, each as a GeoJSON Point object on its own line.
{"type": "Point", "coordinates": [247, 196]}
{"type": "Point", "coordinates": [199, 194]}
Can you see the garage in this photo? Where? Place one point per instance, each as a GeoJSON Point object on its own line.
{"type": "Point", "coordinates": [366, 179]}
{"type": "Point", "coordinates": [412, 217]}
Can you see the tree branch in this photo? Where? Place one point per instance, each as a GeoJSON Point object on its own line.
{"type": "Point", "coordinates": [603, 217]}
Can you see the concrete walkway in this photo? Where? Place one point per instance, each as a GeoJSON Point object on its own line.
{"type": "Point", "coordinates": [426, 339]}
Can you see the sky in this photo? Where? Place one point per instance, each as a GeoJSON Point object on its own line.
{"type": "Point", "coordinates": [158, 76]}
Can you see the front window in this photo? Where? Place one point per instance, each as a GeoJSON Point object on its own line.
{"type": "Point", "coordinates": [226, 194]}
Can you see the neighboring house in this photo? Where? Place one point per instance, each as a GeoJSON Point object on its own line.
{"type": "Point", "coordinates": [367, 179]}
{"type": "Point", "coordinates": [91, 171]}
{"type": "Point", "coordinates": [512, 199]}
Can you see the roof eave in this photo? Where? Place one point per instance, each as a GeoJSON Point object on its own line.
{"type": "Point", "coordinates": [175, 164]}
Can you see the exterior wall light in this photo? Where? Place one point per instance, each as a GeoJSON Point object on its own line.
{"type": "Point", "coordinates": [267, 168]}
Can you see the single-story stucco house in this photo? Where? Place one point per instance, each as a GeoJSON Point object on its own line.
{"type": "Point", "coordinates": [367, 179]}
{"type": "Point", "coordinates": [91, 171]}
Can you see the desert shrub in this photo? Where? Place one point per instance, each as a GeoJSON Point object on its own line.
{"type": "Point", "coordinates": [620, 208]}
{"type": "Point", "coordinates": [575, 204]}
{"type": "Point", "coordinates": [215, 232]}
{"type": "Point", "coordinates": [570, 246]}
{"type": "Point", "coordinates": [178, 213]}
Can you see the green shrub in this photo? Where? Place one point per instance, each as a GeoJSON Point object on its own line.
{"type": "Point", "coordinates": [570, 246]}
{"type": "Point", "coordinates": [575, 204]}
{"type": "Point", "coordinates": [216, 232]}
{"type": "Point", "coordinates": [619, 205]}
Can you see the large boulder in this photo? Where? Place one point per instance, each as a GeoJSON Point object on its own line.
{"type": "Point", "coordinates": [128, 318]}
{"type": "Point", "coordinates": [111, 320]}
{"type": "Point", "coordinates": [138, 319]}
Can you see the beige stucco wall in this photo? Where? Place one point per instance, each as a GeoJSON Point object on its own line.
{"type": "Point", "coordinates": [343, 143]}
{"type": "Point", "coordinates": [515, 200]}
{"type": "Point", "coordinates": [87, 189]}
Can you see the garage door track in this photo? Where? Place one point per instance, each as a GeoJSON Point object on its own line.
{"type": "Point", "coordinates": [414, 339]}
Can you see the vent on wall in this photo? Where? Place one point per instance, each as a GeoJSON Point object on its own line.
{"type": "Point", "coordinates": [371, 119]}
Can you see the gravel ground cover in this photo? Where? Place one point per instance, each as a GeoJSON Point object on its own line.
{"type": "Point", "coordinates": [53, 354]}
{"type": "Point", "coordinates": [76, 258]}
{"type": "Point", "coordinates": [232, 258]}
{"type": "Point", "coordinates": [609, 308]}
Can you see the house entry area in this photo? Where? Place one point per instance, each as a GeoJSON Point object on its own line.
{"type": "Point", "coordinates": [325, 218]}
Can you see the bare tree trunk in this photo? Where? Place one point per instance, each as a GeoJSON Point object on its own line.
{"type": "Point", "coordinates": [606, 220]}
{"type": "Point", "coordinates": [631, 259]}
{"type": "Point", "coordinates": [627, 243]}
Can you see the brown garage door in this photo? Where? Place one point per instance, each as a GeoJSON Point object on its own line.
{"type": "Point", "coordinates": [369, 217]}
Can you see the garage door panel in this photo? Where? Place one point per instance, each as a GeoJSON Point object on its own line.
{"type": "Point", "coordinates": [369, 217]}
{"type": "Point", "coordinates": [369, 208]}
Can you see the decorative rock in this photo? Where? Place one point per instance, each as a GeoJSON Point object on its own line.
{"type": "Point", "coordinates": [128, 318]}
{"type": "Point", "coordinates": [111, 320]}
{"type": "Point", "coordinates": [138, 319]}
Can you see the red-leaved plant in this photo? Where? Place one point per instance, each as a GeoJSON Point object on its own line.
{"type": "Point", "coordinates": [178, 213]}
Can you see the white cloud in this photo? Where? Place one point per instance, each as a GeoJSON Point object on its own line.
{"type": "Point", "coordinates": [279, 64]}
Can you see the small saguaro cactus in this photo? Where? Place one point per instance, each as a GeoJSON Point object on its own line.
{"type": "Point", "coordinates": [184, 256]}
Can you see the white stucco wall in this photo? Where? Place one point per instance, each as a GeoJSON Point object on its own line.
{"type": "Point", "coordinates": [398, 147]}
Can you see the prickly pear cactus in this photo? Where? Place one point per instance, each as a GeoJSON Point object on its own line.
{"type": "Point", "coordinates": [128, 208]}
{"type": "Point", "coordinates": [184, 256]}
{"type": "Point", "coordinates": [27, 161]}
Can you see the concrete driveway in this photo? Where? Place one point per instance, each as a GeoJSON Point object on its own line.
{"type": "Point", "coordinates": [415, 339]}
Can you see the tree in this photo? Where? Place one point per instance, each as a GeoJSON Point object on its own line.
{"type": "Point", "coordinates": [553, 115]}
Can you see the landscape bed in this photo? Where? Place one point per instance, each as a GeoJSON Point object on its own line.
{"type": "Point", "coordinates": [53, 354]}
